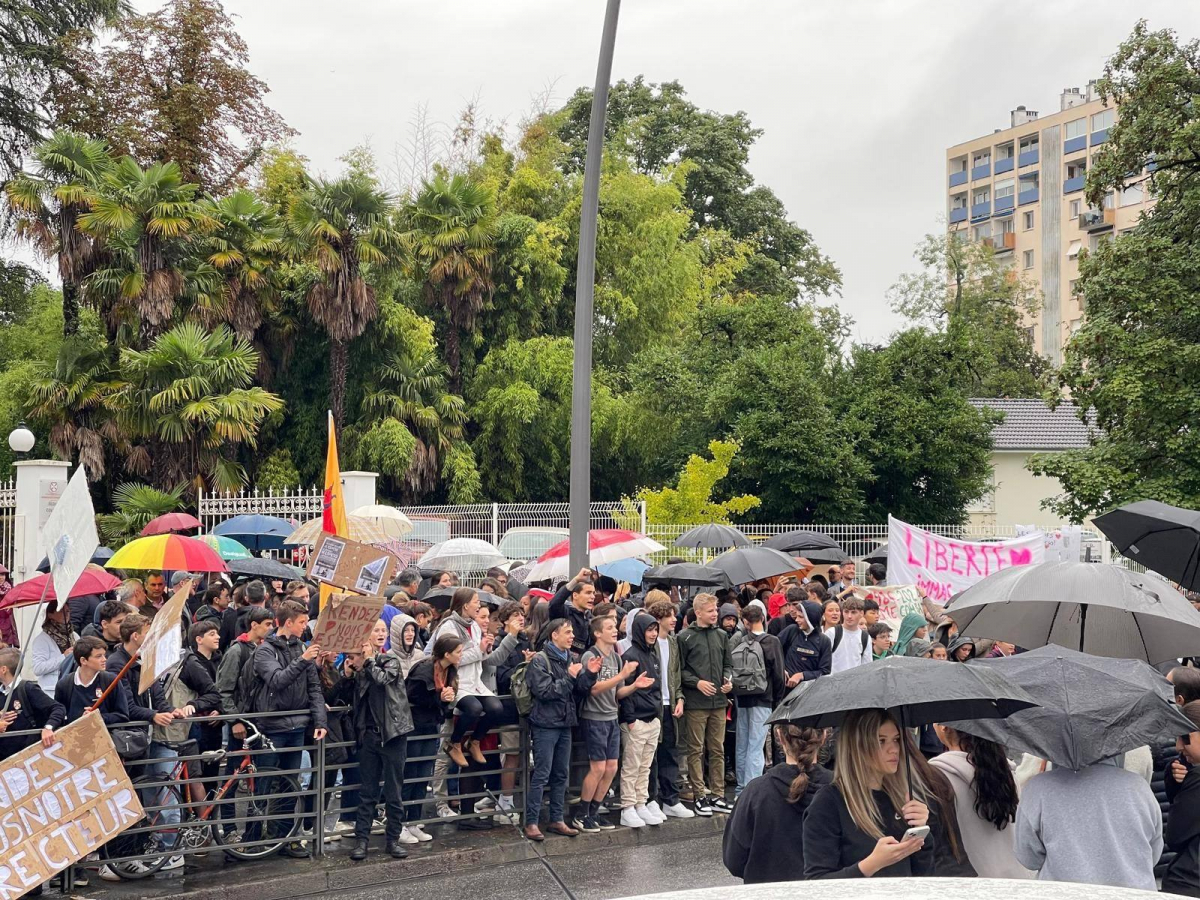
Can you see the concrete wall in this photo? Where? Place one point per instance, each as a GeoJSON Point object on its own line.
{"type": "Point", "coordinates": [1019, 493]}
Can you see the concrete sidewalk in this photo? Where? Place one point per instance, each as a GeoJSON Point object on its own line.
{"type": "Point", "coordinates": [214, 876]}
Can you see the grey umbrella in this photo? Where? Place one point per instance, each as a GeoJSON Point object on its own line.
{"type": "Point", "coordinates": [1160, 537]}
{"type": "Point", "coordinates": [264, 567]}
{"type": "Point", "coordinates": [1099, 609]}
{"type": "Point", "coordinates": [743, 564]}
{"type": "Point", "coordinates": [713, 537]}
{"type": "Point", "coordinates": [686, 575]}
{"type": "Point", "coordinates": [1089, 707]}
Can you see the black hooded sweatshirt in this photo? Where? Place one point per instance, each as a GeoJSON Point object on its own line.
{"type": "Point", "coordinates": [753, 849]}
{"type": "Point", "coordinates": [644, 705]}
{"type": "Point", "coordinates": [1182, 833]}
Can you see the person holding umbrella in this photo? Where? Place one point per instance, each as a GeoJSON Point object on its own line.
{"type": "Point", "coordinates": [863, 824]}
{"type": "Point", "coordinates": [1183, 824]}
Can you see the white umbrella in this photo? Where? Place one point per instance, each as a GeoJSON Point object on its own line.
{"type": "Point", "coordinates": [388, 519]}
{"type": "Point", "coordinates": [461, 555]}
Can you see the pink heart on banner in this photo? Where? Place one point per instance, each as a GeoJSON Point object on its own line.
{"type": "Point", "coordinates": [1020, 557]}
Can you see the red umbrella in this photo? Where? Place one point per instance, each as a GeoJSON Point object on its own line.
{"type": "Point", "coordinates": [605, 545]}
{"type": "Point", "coordinates": [171, 523]}
{"type": "Point", "coordinates": [92, 581]}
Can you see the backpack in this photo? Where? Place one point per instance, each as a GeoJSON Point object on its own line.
{"type": "Point", "coordinates": [837, 638]}
{"type": "Point", "coordinates": [250, 693]}
{"type": "Point", "coordinates": [519, 689]}
{"type": "Point", "coordinates": [177, 695]}
{"type": "Point", "coordinates": [67, 666]}
{"type": "Point", "coordinates": [749, 667]}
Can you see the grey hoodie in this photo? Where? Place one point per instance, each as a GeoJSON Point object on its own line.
{"type": "Point", "coordinates": [409, 653]}
{"type": "Point", "coordinates": [1100, 825]}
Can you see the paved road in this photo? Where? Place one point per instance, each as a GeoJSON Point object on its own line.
{"type": "Point", "coordinates": [591, 876]}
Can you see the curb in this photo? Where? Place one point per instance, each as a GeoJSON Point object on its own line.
{"type": "Point", "coordinates": [280, 879]}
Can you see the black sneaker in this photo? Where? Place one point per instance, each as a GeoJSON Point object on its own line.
{"type": "Point", "coordinates": [294, 850]}
{"type": "Point", "coordinates": [588, 824]}
{"type": "Point", "coordinates": [721, 805]}
{"type": "Point", "coordinates": [702, 807]}
{"type": "Point", "coordinates": [578, 823]}
{"type": "Point", "coordinates": [605, 824]}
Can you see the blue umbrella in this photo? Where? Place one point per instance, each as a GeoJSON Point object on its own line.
{"type": "Point", "coordinates": [256, 532]}
{"type": "Point", "coordinates": [625, 570]}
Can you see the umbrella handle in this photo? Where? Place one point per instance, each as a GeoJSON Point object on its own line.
{"type": "Point", "coordinates": [907, 756]}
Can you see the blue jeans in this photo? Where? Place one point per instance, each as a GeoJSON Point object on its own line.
{"type": "Point", "coordinates": [551, 763]}
{"type": "Point", "coordinates": [751, 736]}
{"type": "Point", "coordinates": [284, 757]}
{"type": "Point", "coordinates": [169, 815]}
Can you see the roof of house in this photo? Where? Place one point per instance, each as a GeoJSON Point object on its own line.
{"type": "Point", "coordinates": [1032, 425]}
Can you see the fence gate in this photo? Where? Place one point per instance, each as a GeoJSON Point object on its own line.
{"type": "Point", "coordinates": [8, 526]}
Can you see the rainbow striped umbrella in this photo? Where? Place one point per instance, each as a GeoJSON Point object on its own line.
{"type": "Point", "coordinates": [168, 551]}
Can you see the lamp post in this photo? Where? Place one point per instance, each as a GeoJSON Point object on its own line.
{"type": "Point", "coordinates": [21, 439]}
{"type": "Point", "coordinates": [581, 387]}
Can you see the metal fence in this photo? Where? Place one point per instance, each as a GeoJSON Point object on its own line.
{"type": "Point", "coordinates": [8, 525]}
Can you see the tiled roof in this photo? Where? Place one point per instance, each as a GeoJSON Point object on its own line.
{"type": "Point", "coordinates": [1032, 425]}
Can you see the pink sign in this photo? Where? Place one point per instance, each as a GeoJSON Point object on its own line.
{"type": "Point", "coordinates": [943, 567]}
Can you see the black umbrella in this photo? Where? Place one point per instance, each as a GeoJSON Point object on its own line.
{"type": "Point", "coordinates": [1090, 607]}
{"type": "Point", "coordinates": [743, 564]}
{"type": "Point", "coordinates": [100, 557]}
{"type": "Point", "coordinates": [1089, 707]}
{"type": "Point", "coordinates": [814, 546]}
{"type": "Point", "coordinates": [1160, 537]}
{"type": "Point", "coordinates": [713, 537]}
{"type": "Point", "coordinates": [686, 575]}
{"type": "Point", "coordinates": [917, 691]}
{"type": "Point", "coordinates": [264, 567]}
{"type": "Point", "coordinates": [878, 555]}
{"type": "Point", "coordinates": [439, 598]}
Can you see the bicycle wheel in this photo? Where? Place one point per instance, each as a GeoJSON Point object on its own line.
{"type": "Point", "coordinates": [147, 839]}
{"type": "Point", "coordinates": [252, 825]}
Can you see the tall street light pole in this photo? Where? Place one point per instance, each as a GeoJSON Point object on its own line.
{"type": "Point", "coordinates": [581, 387]}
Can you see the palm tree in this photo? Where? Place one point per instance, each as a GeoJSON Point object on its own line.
{"type": "Point", "coordinates": [190, 397]}
{"type": "Point", "coordinates": [342, 226]}
{"type": "Point", "coordinates": [412, 389]}
{"type": "Point", "coordinates": [134, 505]}
{"type": "Point", "coordinates": [48, 204]}
{"type": "Point", "coordinates": [144, 218]}
{"type": "Point", "coordinates": [76, 400]}
{"type": "Point", "coordinates": [451, 230]}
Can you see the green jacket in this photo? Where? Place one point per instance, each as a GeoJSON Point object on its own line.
{"type": "Point", "coordinates": [704, 655]}
{"type": "Point", "coordinates": [674, 676]}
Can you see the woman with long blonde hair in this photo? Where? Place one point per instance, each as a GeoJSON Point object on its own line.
{"type": "Point", "coordinates": [855, 827]}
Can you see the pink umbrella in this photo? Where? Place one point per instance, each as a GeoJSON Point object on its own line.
{"type": "Point", "coordinates": [94, 580]}
{"type": "Point", "coordinates": [605, 545]}
{"type": "Point", "coordinates": [171, 523]}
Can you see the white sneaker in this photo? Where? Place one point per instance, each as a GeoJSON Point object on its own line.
{"type": "Point", "coordinates": [418, 832]}
{"type": "Point", "coordinates": [445, 812]}
{"type": "Point", "coordinates": [653, 806]}
{"type": "Point", "coordinates": [630, 818]}
{"type": "Point", "coordinates": [483, 804]}
{"type": "Point", "coordinates": [678, 811]}
{"type": "Point", "coordinates": [108, 873]}
{"type": "Point", "coordinates": [175, 862]}
{"type": "Point", "coordinates": [646, 816]}
{"type": "Point", "coordinates": [343, 827]}
{"type": "Point", "coordinates": [406, 837]}
{"type": "Point", "coordinates": [506, 818]}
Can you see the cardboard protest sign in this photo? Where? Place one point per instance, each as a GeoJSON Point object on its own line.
{"type": "Point", "coordinates": [351, 566]}
{"type": "Point", "coordinates": [895, 602]}
{"type": "Point", "coordinates": [60, 803]}
{"type": "Point", "coordinates": [163, 646]}
{"type": "Point", "coordinates": [942, 566]}
{"type": "Point", "coordinates": [346, 622]}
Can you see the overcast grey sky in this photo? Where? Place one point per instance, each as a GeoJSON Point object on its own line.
{"type": "Point", "coordinates": [858, 98]}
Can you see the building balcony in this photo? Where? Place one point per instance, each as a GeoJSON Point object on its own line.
{"type": "Point", "coordinates": [1004, 204]}
{"type": "Point", "coordinates": [981, 210]}
{"type": "Point", "coordinates": [1028, 158]}
{"type": "Point", "coordinates": [958, 215]}
{"type": "Point", "coordinates": [981, 171]}
{"type": "Point", "coordinates": [1075, 144]}
{"type": "Point", "coordinates": [1029, 196]}
{"type": "Point", "coordinates": [1093, 220]}
{"type": "Point", "coordinates": [1071, 185]}
{"type": "Point", "coordinates": [1003, 243]}
{"type": "Point", "coordinates": [957, 178]}
{"type": "Point", "coordinates": [1099, 137]}
{"type": "Point", "coordinates": [1004, 165]}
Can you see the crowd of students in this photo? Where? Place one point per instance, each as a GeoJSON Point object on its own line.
{"type": "Point", "coordinates": [638, 710]}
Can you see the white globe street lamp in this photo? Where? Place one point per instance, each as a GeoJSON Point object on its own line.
{"type": "Point", "coordinates": [21, 439]}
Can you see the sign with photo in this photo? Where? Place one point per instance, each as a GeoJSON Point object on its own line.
{"type": "Point", "coordinates": [351, 566]}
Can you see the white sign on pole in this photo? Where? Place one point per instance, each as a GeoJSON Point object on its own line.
{"type": "Point", "coordinates": [70, 533]}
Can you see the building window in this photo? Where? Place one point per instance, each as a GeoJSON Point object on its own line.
{"type": "Point", "coordinates": [1076, 324]}
{"type": "Point", "coordinates": [1029, 143]}
{"type": "Point", "coordinates": [1075, 208]}
{"type": "Point", "coordinates": [958, 165]}
{"type": "Point", "coordinates": [1029, 335]}
{"type": "Point", "coordinates": [1099, 239]}
{"type": "Point", "coordinates": [1102, 121]}
{"type": "Point", "coordinates": [1076, 169]}
{"type": "Point", "coordinates": [983, 232]}
{"type": "Point", "coordinates": [986, 503]}
{"type": "Point", "coordinates": [980, 196]}
{"type": "Point", "coordinates": [1073, 249]}
{"type": "Point", "coordinates": [1027, 259]}
{"type": "Point", "coordinates": [1004, 226]}
{"type": "Point", "coordinates": [1133, 195]}
{"type": "Point", "coordinates": [981, 159]}
{"type": "Point", "coordinates": [1027, 221]}
{"type": "Point", "coordinates": [1004, 151]}
{"type": "Point", "coordinates": [1075, 129]}
{"type": "Point", "coordinates": [1005, 188]}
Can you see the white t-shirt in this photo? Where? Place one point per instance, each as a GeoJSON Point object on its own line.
{"type": "Point", "coordinates": [850, 652]}
{"type": "Point", "coordinates": [664, 666]}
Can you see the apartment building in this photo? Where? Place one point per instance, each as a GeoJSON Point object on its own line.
{"type": "Point", "coordinates": [1021, 189]}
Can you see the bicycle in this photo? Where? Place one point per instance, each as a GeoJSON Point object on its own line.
{"type": "Point", "coordinates": [203, 818]}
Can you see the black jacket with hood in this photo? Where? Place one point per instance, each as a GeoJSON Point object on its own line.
{"type": "Point", "coordinates": [810, 653]}
{"type": "Point", "coordinates": [1182, 833]}
{"type": "Point", "coordinates": [752, 848]}
{"type": "Point", "coordinates": [645, 704]}
{"type": "Point", "coordinates": [144, 706]}
{"type": "Point", "coordinates": [290, 684]}
{"type": "Point", "coordinates": [381, 699]}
